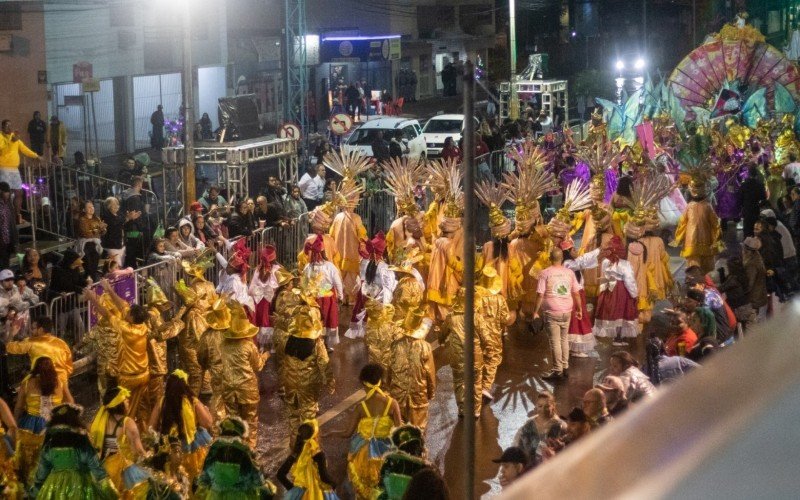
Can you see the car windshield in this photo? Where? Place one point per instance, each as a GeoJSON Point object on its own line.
{"type": "Point", "coordinates": [443, 127]}
{"type": "Point", "coordinates": [363, 137]}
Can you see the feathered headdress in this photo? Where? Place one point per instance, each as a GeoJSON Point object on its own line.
{"type": "Point", "coordinates": [402, 178]}
{"type": "Point", "coordinates": [696, 163]}
{"type": "Point", "coordinates": [445, 178]}
{"type": "Point", "coordinates": [349, 165]}
{"type": "Point", "coordinates": [529, 156]}
{"type": "Point", "coordinates": [646, 193]}
{"type": "Point", "coordinates": [493, 195]}
{"type": "Point", "coordinates": [525, 187]}
{"type": "Point", "coordinates": [600, 156]}
{"type": "Point", "coordinates": [347, 193]}
{"type": "Point", "coordinates": [577, 197]}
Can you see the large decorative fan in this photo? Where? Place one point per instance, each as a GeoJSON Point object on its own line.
{"type": "Point", "coordinates": [739, 67]}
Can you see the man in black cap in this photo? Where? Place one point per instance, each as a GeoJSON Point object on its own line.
{"type": "Point", "coordinates": [512, 465]}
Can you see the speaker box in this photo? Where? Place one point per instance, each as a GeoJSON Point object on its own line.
{"type": "Point", "coordinates": [238, 115]}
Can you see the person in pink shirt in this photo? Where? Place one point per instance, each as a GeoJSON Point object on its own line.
{"type": "Point", "coordinates": [557, 294]}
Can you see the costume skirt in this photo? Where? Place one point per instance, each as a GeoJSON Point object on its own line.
{"type": "Point", "coordinates": [581, 338]}
{"type": "Point", "coordinates": [329, 310]}
{"type": "Point", "coordinates": [261, 318]}
{"type": "Point", "coordinates": [364, 463]}
{"type": "Point", "coordinates": [615, 313]}
{"type": "Point", "coordinates": [357, 319]}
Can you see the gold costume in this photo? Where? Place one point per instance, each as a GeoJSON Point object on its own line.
{"type": "Point", "coordinates": [412, 374]}
{"type": "Point", "coordinates": [491, 320]}
{"type": "Point", "coordinates": [285, 302]}
{"type": "Point", "coordinates": [348, 231]}
{"type": "Point", "coordinates": [209, 354]}
{"type": "Point", "coordinates": [49, 346]}
{"type": "Point", "coordinates": [595, 219]}
{"type": "Point", "coordinates": [379, 331]}
{"type": "Point", "coordinates": [105, 342]}
{"type": "Point", "coordinates": [524, 254]}
{"type": "Point", "coordinates": [198, 299]}
{"type": "Point", "coordinates": [241, 364]}
{"type": "Point", "coordinates": [454, 343]}
{"type": "Point", "coordinates": [699, 231]}
{"type": "Point", "coordinates": [160, 332]}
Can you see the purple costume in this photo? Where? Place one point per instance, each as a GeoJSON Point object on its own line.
{"type": "Point", "coordinates": [728, 206]}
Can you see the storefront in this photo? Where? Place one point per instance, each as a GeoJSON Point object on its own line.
{"type": "Point", "coordinates": [346, 60]}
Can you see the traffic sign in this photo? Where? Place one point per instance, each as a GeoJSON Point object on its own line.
{"type": "Point", "coordinates": [289, 131]}
{"type": "Point", "coordinates": [341, 124]}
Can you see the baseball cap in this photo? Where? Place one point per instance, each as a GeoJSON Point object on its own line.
{"type": "Point", "coordinates": [6, 274]}
{"type": "Point", "coordinates": [195, 206]}
{"type": "Point", "coordinates": [512, 455]}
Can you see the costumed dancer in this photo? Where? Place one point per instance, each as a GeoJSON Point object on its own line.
{"type": "Point", "coordinates": [160, 332]}
{"type": "Point", "coordinates": [370, 425]}
{"type": "Point", "coordinates": [304, 473]}
{"type": "Point", "coordinates": [320, 220]}
{"type": "Point", "coordinates": [492, 315]}
{"type": "Point", "coordinates": [262, 288]}
{"type": "Point", "coordinates": [411, 372]}
{"type": "Point", "coordinates": [233, 277]}
{"type": "Point", "coordinates": [528, 247]}
{"type": "Point", "coordinates": [68, 465]}
{"type": "Point", "coordinates": [347, 229]}
{"type": "Point", "coordinates": [305, 367]}
{"type": "Point", "coordinates": [400, 465]}
{"type": "Point", "coordinates": [169, 480]}
{"type": "Point", "coordinates": [446, 265]}
{"type": "Point", "coordinates": [597, 219]}
{"type": "Point", "coordinates": [284, 303]}
{"type": "Point", "coordinates": [616, 315]}
{"type": "Point", "coordinates": [116, 437]}
{"type": "Point", "coordinates": [209, 352]}
{"type": "Point", "coordinates": [322, 271]}
{"type": "Point", "coordinates": [646, 252]}
{"type": "Point", "coordinates": [43, 343]}
{"type": "Point", "coordinates": [453, 330]}
{"type": "Point", "coordinates": [495, 251]}
{"type": "Point", "coordinates": [132, 366]}
{"type": "Point", "coordinates": [197, 296]}
{"type": "Point", "coordinates": [403, 176]}
{"type": "Point", "coordinates": [230, 469]}
{"type": "Point", "coordinates": [580, 336]}
{"type": "Point", "coordinates": [375, 281]}
{"type": "Point", "coordinates": [699, 228]}
{"type": "Point", "coordinates": [103, 340]}
{"type": "Point", "coordinates": [10, 487]}
{"type": "Point", "coordinates": [38, 394]}
{"type": "Point", "coordinates": [181, 415]}
{"type": "Point", "coordinates": [241, 364]}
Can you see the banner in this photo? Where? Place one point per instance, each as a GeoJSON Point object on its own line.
{"type": "Point", "coordinates": [360, 49]}
{"type": "Point", "coordinates": [127, 289]}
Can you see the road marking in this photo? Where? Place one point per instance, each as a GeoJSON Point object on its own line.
{"type": "Point", "coordinates": [350, 400]}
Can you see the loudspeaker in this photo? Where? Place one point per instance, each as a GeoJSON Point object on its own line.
{"type": "Point", "coordinates": [238, 115]}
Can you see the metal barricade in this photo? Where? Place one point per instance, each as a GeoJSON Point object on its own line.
{"type": "Point", "coordinates": [377, 211]}
{"type": "Point", "coordinates": [70, 314]}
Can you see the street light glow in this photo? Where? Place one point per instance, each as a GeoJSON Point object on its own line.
{"type": "Point", "coordinates": [639, 64]}
{"type": "Point", "coordinates": [620, 65]}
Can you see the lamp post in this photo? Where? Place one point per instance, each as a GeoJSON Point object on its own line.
{"type": "Point", "coordinates": [188, 108]}
{"type": "Point", "coordinates": [619, 80]}
{"type": "Point", "coordinates": [513, 101]}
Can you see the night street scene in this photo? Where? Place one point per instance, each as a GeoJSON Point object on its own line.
{"type": "Point", "coordinates": [385, 249]}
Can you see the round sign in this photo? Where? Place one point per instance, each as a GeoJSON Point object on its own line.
{"type": "Point", "coordinates": [289, 131]}
{"type": "Point", "coordinates": [346, 48]}
{"type": "Point", "coordinates": [341, 123]}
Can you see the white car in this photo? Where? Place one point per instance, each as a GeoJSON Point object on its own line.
{"type": "Point", "coordinates": [441, 127]}
{"type": "Point", "coordinates": [362, 137]}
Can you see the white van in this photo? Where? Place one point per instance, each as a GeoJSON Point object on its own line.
{"type": "Point", "coordinates": [362, 137]}
{"type": "Point", "coordinates": [441, 127]}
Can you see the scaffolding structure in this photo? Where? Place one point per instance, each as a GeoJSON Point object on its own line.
{"type": "Point", "coordinates": [296, 85]}
{"type": "Point", "coordinates": [550, 94]}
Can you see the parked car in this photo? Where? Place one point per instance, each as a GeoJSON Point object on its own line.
{"type": "Point", "coordinates": [441, 127]}
{"type": "Point", "coordinates": [362, 137]}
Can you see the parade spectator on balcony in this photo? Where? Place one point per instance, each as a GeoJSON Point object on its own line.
{"type": "Point", "coordinates": [28, 296]}
{"type": "Point", "coordinates": [57, 138]}
{"type": "Point", "coordinates": [194, 209]}
{"type": "Point", "coordinates": [9, 294]}
{"type": "Point", "coordinates": [90, 228]}
{"type": "Point", "coordinates": [130, 169]}
{"type": "Point", "coordinates": [637, 384]}
{"type": "Point", "coordinates": [212, 198]}
{"type": "Point", "coordinates": [206, 128]}
{"type": "Point", "coordinates": [240, 223]}
{"type": "Point", "coordinates": [37, 133]}
{"type": "Point", "coordinates": [34, 270]}
{"type": "Point", "coordinates": [68, 276]}
{"type": "Point", "coordinates": [312, 185]}
{"type": "Point", "coordinates": [112, 271]}
{"type": "Point", "coordinates": [187, 239]}
{"type": "Point", "coordinates": [157, 134]}
{"type": "Point", "coordinates": [293, 204]}
{"type": "Point", "coordinates": [205, 233]}
{"type": "Point", "coordinates": [275, 214]}
{"type": "Point", "coordinates": [10, 149]}
{"type": "Point", "coordinates": [135, 229]}
{"type": "Point", "coordinates": [175, 246]}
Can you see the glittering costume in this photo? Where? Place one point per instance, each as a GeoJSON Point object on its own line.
{"type": "Point", "coordinates": [411, 370]}
{"type": "Point", "coordinates": [329, 289]}
{"type": "Point", "coordinates": [230, 471]}
{"type": "Point", "coordinates": [616, 314]}
{"type": "Point", "coordinates": [262, 289]}
{"type": "Point", "coordinates": [375, 281]}
{"type": "Point", "coordinates": [494, 253]}
{"type": "Point", "coordinates": [454, 343]}
{"type": "Point", "coordinates": [116, 450]}
{"type": "Point", "coordinates": [305, 472]}
{"type": "Point", "coordinates": [69, 467]}
{"type": "Point", "coordinates": [348, 232]}
{"type": "Point", "coordinates": [403, 176]}
{"type": "Point", "coordinates": [401, 463]}
{"type": "Point", "coordinates": [31, 426]}
{"type": "Point", "coordinates": [209, 353]}
{"type": "Point", "coordinates": [104, 341]}
{"type": "Point", "coordinates": [284, 303]}
{"type": "Point", "coordinates": [305, 368]}
{"type": "Point", "coordinates": [378, 331]}
{"type": "Point", "coordinates": [368, 445]}
{"type": "Point", "coordinates": [241, 363]}
{"type": "Point", "coordinates": [48, 346]}
{"type": "Point", "coordinates": [492, 317]}
{"type": "Point", "coordinates": [160, 331]}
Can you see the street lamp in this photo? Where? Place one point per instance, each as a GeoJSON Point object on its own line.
{"type": "Point", "coordinates": [639, 64]}
{"type": "Point", "coordinates": [620, 65]}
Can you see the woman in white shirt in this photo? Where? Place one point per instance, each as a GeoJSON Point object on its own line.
{"type": "Point", "coordinates": [329, 284]}
{"type": "Point", "coordinates": [262, 289]}
{"type": "Point", "coordinates": [375, 281]}
{"type": "Point", "coordinates": [233, 277]}
{"type": "Point", "coordinates": [616, 315]}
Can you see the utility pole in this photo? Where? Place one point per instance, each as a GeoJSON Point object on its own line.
{"type": "Point", "coordinates": [644, 25]}
{"type": "Point", "coordinates": [694, 23]}
{"type": "Point", "coordinates": [188, 110]}
{"type": "Point", "coordinates": [513, 101]}
{"type": "Point", "coordinates": [469, 279]}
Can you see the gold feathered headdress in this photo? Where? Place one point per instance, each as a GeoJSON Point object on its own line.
{"type": "Point", "coordinates": [531, 157]}
{"type": "Point", "coordinates": [525, 187]}
{"type": "Point", "coordinates": [402, 177]}
{"type": "Point", "coordinates": [445, 178]}
{"type": "Point", "coordinates": [646, 193]}
{"type": "Point", "coordinates": [349, 165]}
{"type": "Point", "coordinates": [577, 197]}
{"type": "Point", "coordinates": [493, 195]}
{"type": "Point", "coordinates": [600, 156]}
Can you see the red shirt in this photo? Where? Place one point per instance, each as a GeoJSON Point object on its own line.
{"type": "Point", "coordinates": [687, 335]}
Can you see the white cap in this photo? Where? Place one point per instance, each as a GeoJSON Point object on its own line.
{"type": "Point", "coordinates": [6, 274]}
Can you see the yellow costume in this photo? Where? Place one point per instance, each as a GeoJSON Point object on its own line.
{"type": "Point", "coordinates": [348, 231]}
{"type": "Point", "coordinates": [48, 346]}
{"type": "Point", "coordinates": [491, 320]}
{"type": "Point", "coordinates": [305, 368]}
{"type": "Point", "coordinates": [30, 433]}
{"type": "Point", "coordinates": [367, 446]}
{"type": "Point", "coordinates": [308, 484]}
{"type": "Point", "coordinates": [699, 231]}
{"type": "Point", "coordinates": [494, 195]}
{"type": "Point", "coordinates": [378, 331]}
{"type": "Point", "coordinates": [241, 364]}
{"type": "Point", "coordinates": [105, 342]}
{"type": "Point", "coordinates": [209, 354]}
{"type": "Point", "coordinates": [454, 343]}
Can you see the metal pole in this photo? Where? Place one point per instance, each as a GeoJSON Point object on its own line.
{"type": "Point", "coordinates": [94, 126]}
{"type": "Point", "coordinates": [469, 279]}
{"type": "Point", "coordinates": [644, 24]}
{"type": "Point", "coordinates": [188, 106]}
{"type": "Point", "coordinates": [694, 23]}
{"type": "Point", "coordinates": [513, 101]}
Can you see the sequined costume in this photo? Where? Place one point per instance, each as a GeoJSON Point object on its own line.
{"type": "Point", "coordinates": [104, 341]}
{"type": "Point", "coordinates": [230, 472]}
{"type": "Point", "coordinates": [160, 332]}
{"type": "Point", "coordinates": [454, 329]}
{"type": "Point", "coordinates": [307, 472]}
{"type": "Point", "coordinates": [411, 370]}
{"type": "Point", "coordinates": [368, 445]}
{"type": "Point", "coordinates": [209, 354]}
{"type": "Point", "coordinates": [49, 346]}
{"type": "Point", "coordinates": [348, 232]}
{"type": "Point", "coordinates": [31, 426]}
{"type": "Point", "coordinates": [699, 232]}
{"type": "Point", "coordinates": [379, 331]}
{"type": "Point", "coordinates": [491, 317]}
{"type": "Point", "coordinates": [241, 364]}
